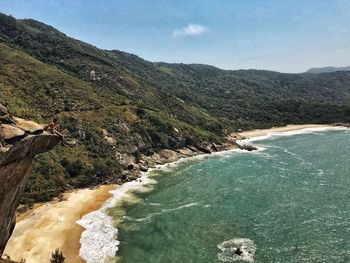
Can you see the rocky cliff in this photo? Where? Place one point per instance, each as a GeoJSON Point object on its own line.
{"type": "Point", "coordinates": [20, 141]}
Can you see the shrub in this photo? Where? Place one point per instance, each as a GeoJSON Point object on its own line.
{"type": "Point", "coordinates": [57, 257]}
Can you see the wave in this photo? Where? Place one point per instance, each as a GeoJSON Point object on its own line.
{"type": "Point", "coordinates": [163, 211]}
{"type": "Point", "coordinates": [291, 133]}
{"type": "Point", "coordinates": [229, 249]}
{"type": "Point", "coordinates": [99, 241]}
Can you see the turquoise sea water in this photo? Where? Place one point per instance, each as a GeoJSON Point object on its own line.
{"type": "Point", "coordinates": [289, 202]}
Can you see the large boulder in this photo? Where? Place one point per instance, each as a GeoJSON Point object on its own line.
{"type": "Point", "coordinates": [19, 143]}
{"type": "Point", "coordinates": [8, 132]}
{"type": "Point", "coordinates": [28, 126]}
{"type": "Point", "coordinates": [15, 168]}
{"type": "Point", "coordinates": [247, 147]}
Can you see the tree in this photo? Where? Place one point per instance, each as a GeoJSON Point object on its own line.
{"type": "Point", "coordinates": [57, 257]}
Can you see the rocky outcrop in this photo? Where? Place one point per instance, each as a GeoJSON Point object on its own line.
{"type": "Point", "coordinates": [20, 142]}
{"type": "Point", "coordinates": [248, 148]}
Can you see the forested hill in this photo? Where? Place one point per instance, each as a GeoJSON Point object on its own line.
{"type": "Point", "coordinates": [327, 69]}
{"type": "Point", "coordinates": [245, 99]}
{"type": "Point", "coordinates": [114, 105]}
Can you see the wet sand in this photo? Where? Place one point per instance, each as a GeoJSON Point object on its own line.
{"type": "Point", "coordinates": [52, 225]}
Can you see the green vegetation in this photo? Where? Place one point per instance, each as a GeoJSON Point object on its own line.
{"type": "Point", "coordinates": [112, 103]}
{"type": "Point", "coordinates": [57, 257]}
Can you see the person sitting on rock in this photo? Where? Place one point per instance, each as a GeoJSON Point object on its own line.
{"type": "Point", "coordinates": [53, 128]}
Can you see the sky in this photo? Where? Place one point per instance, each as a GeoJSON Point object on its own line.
{"type": "Point", "coordinates": [280, 35]}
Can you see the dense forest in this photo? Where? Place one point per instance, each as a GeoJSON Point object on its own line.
{"type": "Point", "coordinates": [113, 104]}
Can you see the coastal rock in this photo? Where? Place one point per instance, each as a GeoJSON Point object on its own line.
{"type": "Point", "coordinates": [143, 168]}
{"type": "Point", "coordinates": [28, 126]}
{"type": "Point", "coordinates": [204, 149]}
{"type": "Point", "coordinates": [8, 132]}
{"type": "Point", "coordinates": [186, 152]}
{"type": "Point", "coordinates": [248, 148]}
{"type": "Point", "coordinates": [192, 148]}
{"type": "Point", "coordinates": [16, 164]}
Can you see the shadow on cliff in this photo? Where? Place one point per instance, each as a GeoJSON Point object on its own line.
{"type": "Point", "coordinates": [20, 142]}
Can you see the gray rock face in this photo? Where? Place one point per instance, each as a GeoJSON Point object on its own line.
{"type": "Point", "coordinates": [13, 178]}
{"type": "Point", "coordinates": [19, 145]}
{"type": "Point", "coordinates": [15, 169]}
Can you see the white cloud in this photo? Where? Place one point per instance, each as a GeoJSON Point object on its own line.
{"type": "Point", "coordinates": [190, 30]}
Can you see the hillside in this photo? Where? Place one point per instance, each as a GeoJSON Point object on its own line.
{"type": "Point", "coordinates": [115, 107]}
{"type": "Point", "coordinates": [98, 124]}
{"type": "Point", "coordinates": [239, 99]}
{"type": "Point", "coordinates": [327, 69]}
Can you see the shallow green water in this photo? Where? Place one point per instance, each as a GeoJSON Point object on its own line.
{"type": "Point", "coordinates": [287, 203]}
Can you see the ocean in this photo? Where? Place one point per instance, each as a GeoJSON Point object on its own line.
{"type": "Point", "coordinates": [286, 202]}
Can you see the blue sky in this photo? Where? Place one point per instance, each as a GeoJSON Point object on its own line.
{"type": "Point", "coordinates": [280, 35]}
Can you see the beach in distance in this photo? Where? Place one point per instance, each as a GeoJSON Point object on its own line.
{"type": "Point", "coordinates": [174, 131]}
{"type": "Point", "coordinates": [56, 221]}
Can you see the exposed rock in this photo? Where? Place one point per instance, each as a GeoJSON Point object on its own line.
{"type": "Point", "coordinates": [130, 166]}
{"type": "Point", "coordinates": [8, 132]}
{"type": "Point", "coordinates": [347, 125]}
{"type": "Point", "coordinates": [16, 163]}
{"type": "Point", "coordinates": [28, 126]}
{"type": "Point", "coordinates": [14, 173]}
{"type": "Point", "coordinates": [108, 137]}
{"type": "Point", "coordinates": [71, 142]}
{"type": "Point", "coordinates": [169, 155]}
{"type": "Point", "coordinates": [92, 75]}
{"type": "Point", "coordinates": [143, 168]}
{"type": "Point", "coordinates": [30, 146]}
{"type": "Point", "coordinates": [192, 148]}
{"type": "Point", "coordinates": [187, 152]}
{"type": "Point", "coordinates": [235, 136]}
{"type": "Point", "coordinates": [214, 147]}
{"type": "Point", "coordinates": [204, 149]}
{"type": "Point", "coordinates": [248, 148]}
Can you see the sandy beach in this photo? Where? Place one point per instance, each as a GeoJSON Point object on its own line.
{"type": "Point", "coordinates": [288, 128]}
{"type": "Point", "coordinates": [52, 225]}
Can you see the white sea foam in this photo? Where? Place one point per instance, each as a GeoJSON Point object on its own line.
{"type": "Point", "coordinates": [295, 132]}
{"type": "Point", "coordinates": [149, 217]}
{"type": "Point", "coordinates": [99, 241]}
{"type": "Point", "coordinates": [228, 250]}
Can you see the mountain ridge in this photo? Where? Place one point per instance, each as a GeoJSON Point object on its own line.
{"type": "Point", "coordinates": [327, 70]}
{"type": "Point", "coordinates": [118, 110]}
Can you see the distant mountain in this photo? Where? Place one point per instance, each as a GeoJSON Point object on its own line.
{"type": "Point", "coordinates": [327, 70]}
{"type": "Point", "coordinates": [115, 108]}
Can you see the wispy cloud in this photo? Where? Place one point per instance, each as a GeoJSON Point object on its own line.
{"type": "Point", "coordinates": [190, 30]}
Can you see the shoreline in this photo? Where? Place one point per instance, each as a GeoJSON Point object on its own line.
{"type": "Point", "coordinates": [284, 129]}
{"type": "Point", "coordinates": [80, 234]}
{"type": "Point", "coordinates": [93, 238]}
{"type": "Point", "coordinates": [52, 225]}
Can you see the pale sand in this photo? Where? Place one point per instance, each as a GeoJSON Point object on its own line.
{"type": "Point", "coordinates": [263, 132]}
{"type": "Point", "coordinates": [53, 225]}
